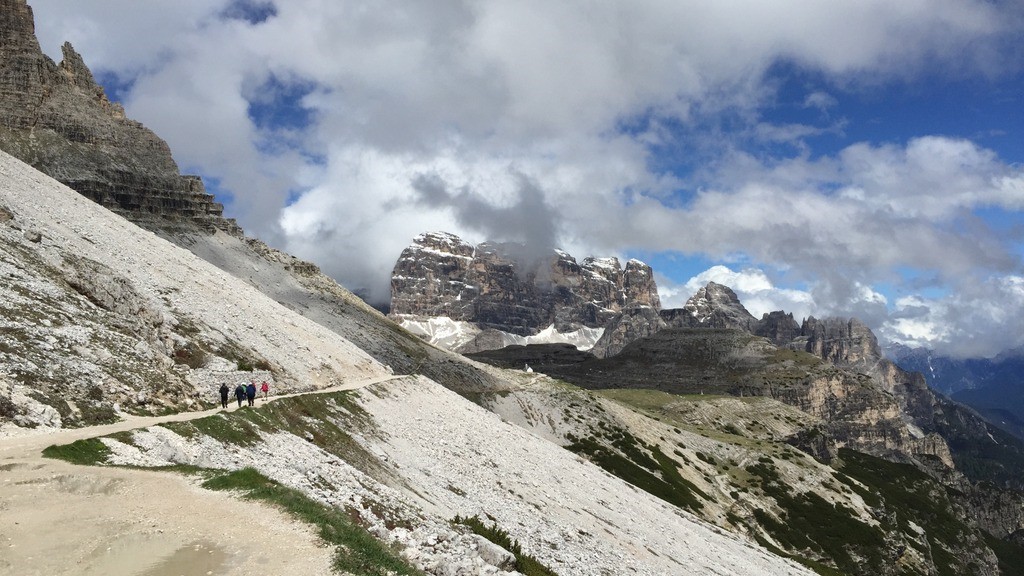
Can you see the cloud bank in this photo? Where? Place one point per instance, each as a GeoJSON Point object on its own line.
{"type": "Point", "coordinates": [338, 130]}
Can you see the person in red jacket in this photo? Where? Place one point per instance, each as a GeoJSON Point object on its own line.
{"type": "Point", "coordinates": [265, 388]}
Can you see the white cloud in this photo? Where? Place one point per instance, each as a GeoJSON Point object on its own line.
{"type": "Point", "coordinates": [979, 320]}
{"type": "Point", "coordinates": [820, 100]}
{"type": "Point", "coordinates": [482, 95]}
{"type": "Point", "coordinates": [755, 290]}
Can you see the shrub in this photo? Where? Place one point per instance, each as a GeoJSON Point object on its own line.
{"type": "Point", "coordinates": [525, 563]}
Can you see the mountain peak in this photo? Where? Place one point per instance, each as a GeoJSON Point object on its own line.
{"type": "Point", "coordinates": [495, 285]}
{"type": "Point", "coordinates": [717, 306]}
{"type": "Point", "coordinates": [58, 119]}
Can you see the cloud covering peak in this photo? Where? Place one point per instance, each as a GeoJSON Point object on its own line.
{"type": "Point", "coordinates": [755, 135]}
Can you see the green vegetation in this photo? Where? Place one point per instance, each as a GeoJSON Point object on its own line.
{"type": "Point", "coordinates": [1011, 556]}
{"type": "Point", "coordinates": [321, 418]}
{"type": "Point", "coordinates": [525, 563]}
{"type": "Point", "coordinates": [799, 357]}
{"type": "Point", "coordinates": [245, 360]}
{"type": "Point", "coordinates": [903, 494]}
{"type": "Point", "coordinates": [93, 414]}
{"type": "Point", "coordinates": [225, 428]}
{"type": "Point", "coordinates": [359, 552]}
{"type": "Point", "coordinates": [809, 522]}
{"type": "Point", "coordinates": [646, 467]}
{"type": "Point", "coordinates": [818, 567]}
{"type": "Point", "coordinates": [907, 491]}
{"type": "Point", "coordinates": [994, 456]}
{"type": "Point", "coordinates": [89, 452]}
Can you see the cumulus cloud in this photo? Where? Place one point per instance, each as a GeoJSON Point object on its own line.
{"type": "Point", "coordinates": [757, 292]}
{"type": "Point", "coordinates": [541, 120]}
{"type": "Point", "coordinates": [979, 320]}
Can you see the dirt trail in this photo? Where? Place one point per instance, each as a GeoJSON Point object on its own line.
{"type": "Point", "coordinates": [58, 518]}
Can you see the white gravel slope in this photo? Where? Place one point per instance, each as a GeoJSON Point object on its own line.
{"type": "Point", "coordinates": [572, 515]}
{"type": "Point", "coordinates": [453, 456]}
{"type": "Point", "coordinates": [183, 285]}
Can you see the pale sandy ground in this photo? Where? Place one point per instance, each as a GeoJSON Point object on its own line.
{"type": "Point", "coordinates": [58, 518]}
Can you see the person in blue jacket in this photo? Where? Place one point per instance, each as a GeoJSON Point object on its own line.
{"type": "Point", "coordinates": [250, 392]}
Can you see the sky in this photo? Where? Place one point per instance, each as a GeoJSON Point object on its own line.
{"type": "Point", "coordinates": [827, 158]}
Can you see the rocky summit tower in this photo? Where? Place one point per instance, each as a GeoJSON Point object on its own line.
{"type": "Point", "coordinates": [58, 119]}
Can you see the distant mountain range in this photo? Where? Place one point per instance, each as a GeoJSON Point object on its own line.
{"type": "Point", "coordinates": [686, 441]}
{"type": "Point", "coordinates": [992, 386]}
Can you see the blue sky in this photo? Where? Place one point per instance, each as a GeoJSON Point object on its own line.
{"type": "Point", "coordinates": [828, 158]}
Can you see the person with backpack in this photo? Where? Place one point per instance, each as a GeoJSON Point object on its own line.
{"type": "Point", "coordinates": [250, 392]}
{"type": "Point", "coordinates": [240, 394]}
{"type": "Point", "coordinates": [265, 388]}
{"type": "Point", "coordinates": [224, 394]}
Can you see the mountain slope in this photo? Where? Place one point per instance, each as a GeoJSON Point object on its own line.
{"type": "Point", "coordinates": [389, 428]}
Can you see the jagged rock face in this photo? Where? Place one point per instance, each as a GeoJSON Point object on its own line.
{"type": "Point", "coordinates": [841, 342]}
{"type": "Point", "coordinates": [779, 327]}
{"type": "Point", "coordinates": [59, 120]}
{"type": "Point", "coordinates": [632, 324]}
{"type": "Point", "coordinates": [429, 278]}
{"type": "Point", "coordinates": [497, 288]}
{"type": "Point", "coordinates": [713, 306]}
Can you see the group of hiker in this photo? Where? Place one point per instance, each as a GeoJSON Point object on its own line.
{"type": "Point", "coordinates": [243, 392]}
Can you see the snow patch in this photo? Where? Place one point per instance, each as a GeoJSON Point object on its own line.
{"type": "Point", "coordinates": [441, 331]}
{"type": "Point", "coordinates": [451, 334]}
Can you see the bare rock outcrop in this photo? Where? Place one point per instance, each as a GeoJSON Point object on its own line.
{"type": "Point", "coordinates": [56, 118]}
{"type": "Point", "coordinates": [843, 342]}
{"type": "Point", "coordinates": [497, 286]}
{"type": "Point", "coordinates": [779, 327]}
{"type": "Point", "coordinates": [713, 306]}
{"type": "Point", "coordinates": [632, 324]}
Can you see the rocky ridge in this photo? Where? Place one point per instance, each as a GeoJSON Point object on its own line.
{"type": "Point", "coordinates": [185, 333]}
{"type": "Point", "coordinates": [56, 118]}
{"type": "Point", "coordinates": [90, 329]}
{"type": "Point", "coordinates": [497, 287]}
{"type": "Point", "coordinates": [395, 423]}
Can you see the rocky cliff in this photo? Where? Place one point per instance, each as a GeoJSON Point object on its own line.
{"type": "Point", "coordinates": [713, 306]}
{"type": "Point", "coordinates": [495, 287]}
{"type": "Point", "coordinates": [56, 118]}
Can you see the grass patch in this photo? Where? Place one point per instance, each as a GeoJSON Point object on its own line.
{"type": "Point", "coordinates": [359, 552]}
{"type": "Point", "coordinates": [229, 429]}
{"type": "Point", "coordinates": [88, 452]}
{"type": "Point", "coordinates": [906, 494]}
{"type": "Point", "coordinates": [525, 563]}
{"type": "Point", "coordinates": [94, 414]}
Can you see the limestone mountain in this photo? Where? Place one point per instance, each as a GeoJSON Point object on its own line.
{"type": "Point", "coordinates": [92, 331]}
{"type": "Point", "coordinates": [58, 119]}
{"type": "Point", "coordinates": [712, 306]}
{"type": "Point", "coordinates": [497, 287]}
{"type": "Point", "coordinates": [100, 319]}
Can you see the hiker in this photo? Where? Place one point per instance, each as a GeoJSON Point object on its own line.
{"type": "Point", "coordinates": [265, 388]}
{"type": "Point", "coordinates": [224, 394]}
{"type": "Point", "coordinates": [250, 392]}
{"type": "Point", "coordinates": [240, 394]}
